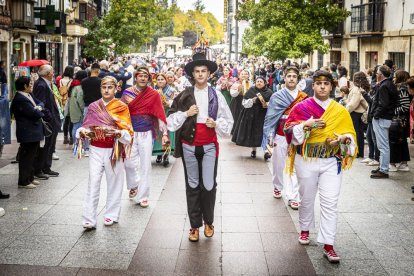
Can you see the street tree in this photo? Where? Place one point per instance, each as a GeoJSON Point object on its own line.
{"type": "Point", "coordinates": [132, 23]}
{"type": "Point", "coordinates": [97, 40]}
{"type": "Point", "coordinates": [282, 29]}
{"type": "Point", "coordinates": [199, 6]}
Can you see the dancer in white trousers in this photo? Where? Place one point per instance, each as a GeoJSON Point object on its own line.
{"type": "Point", "coordinates": [148, 116]}
{"type": "Point", "coordinates": [280, 105]}
{"type": "Point", "coordinates": [322, 139]}
{"type": "Point", "coordinates": [108, 125]}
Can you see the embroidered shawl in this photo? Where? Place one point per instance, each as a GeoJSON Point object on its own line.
{"type": "Point", "coordinates": [337, 119]}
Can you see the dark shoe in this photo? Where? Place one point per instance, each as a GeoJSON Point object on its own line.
{"type": "Point", "coordinates": [65, 140]}
{"type": "Point", "coordinates": [375, 171]}
{"type": "Point", "coordinates": [379, 174]}
{"type": "Point", "coordinates": [41, 176]}
{"type": "Point", "coordinates": [412, 189]}
{"type": "Point", "coordinates": [253, 154]}
{"type": "Point", "coordinates": [51, 173]}
{"type": "Point", "coordinates": [165, 161]}
{"type": "Point", "coordinates": [208, 230]}
{"type": "Point", "coordinates": [4, 196]}
{"type": "Point", "coordinates": [267, 156]}
{"type": "Point", "coordinates": [70, 141]}
{"type": "Point", "coordinates": [159, 159]}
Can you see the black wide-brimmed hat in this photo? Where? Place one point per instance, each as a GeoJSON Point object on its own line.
{"type": "Point", "coordinates": [198, 60]}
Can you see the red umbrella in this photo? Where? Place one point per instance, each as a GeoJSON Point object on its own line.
{"type": "Point", "coordinates": [34, 62]}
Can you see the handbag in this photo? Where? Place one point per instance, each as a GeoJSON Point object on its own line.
{"type": "Point", "coordinates": [47, 130]}
{"type": "Point", "coordinates": [396, 131]}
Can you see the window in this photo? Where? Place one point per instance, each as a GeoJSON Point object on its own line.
{"type": "Point", "coordinates": [398, 59]}
{"type": "Point", "coordinates": [353, 63]}
{"type": "Point", "coordinates": [320, 59]}
{"type": "Point", "coordinates": [82, 12]}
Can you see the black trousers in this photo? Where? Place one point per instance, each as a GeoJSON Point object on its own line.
{"type": "Point", "coordinates": [67, 127]}
{"type": "Point", "coordinates": [200, 201]}
{"type": "Point", "coordinates": [27, 154]}
{"type": "Point", "coordinates": [43, 161]}
{"type": "Point", "coordinates": [359, 129]}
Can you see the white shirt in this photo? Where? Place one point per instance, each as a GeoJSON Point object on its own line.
{"type": "Point", "coordinates": [201, 97]}
{"type": "Point", "coordinates": [224, 121]}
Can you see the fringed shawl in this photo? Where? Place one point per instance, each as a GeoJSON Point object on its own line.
{"type": "Point", "coordinates": [115, 115]}
{"type": "Point", "coordinates": [337, 119]}
{"type": "Point", "coordinates": [279, 102]}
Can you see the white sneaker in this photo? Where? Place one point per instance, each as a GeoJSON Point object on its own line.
{"type": "Point", "coordinates": [36, 182]}
{"type": "Point", "coordinates": [30, 186]}
{"type": "Point", "coordinates": [2, 212]}
{"type": "Point", "coordinates": [392, 168]}
{"type": "Point", "coordinates": [55, 156]}
{"type": "Point", "coordinates": [373, 163]}
{"type": "Point", "coordinates": [403, 168]}
{"type": "Point", "coordinates": [86, 153]}
{"type": "Point", "coordinates": [366, 160]}
{"type": "Point", "coordinates": [88, 226]}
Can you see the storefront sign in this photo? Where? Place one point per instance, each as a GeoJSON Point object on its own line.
{"type": "Point", "coordinates": [48, 38]}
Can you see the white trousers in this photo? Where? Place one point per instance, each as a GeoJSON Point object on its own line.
{"type": "Point", "coordinates": [319, 175]}
{"type": "Point", "coordinates": [280, 177]}
{"type": "Point", "coordinates": [100, 162]}
{"type": "Point", "coordinates": [138, 165]}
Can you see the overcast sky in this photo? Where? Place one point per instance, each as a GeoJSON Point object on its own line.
{"type": "Point", "coordinates": [216, 7]}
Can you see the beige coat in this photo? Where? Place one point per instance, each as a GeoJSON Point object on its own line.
{"type": "Point", "coordinates": [356, 102]}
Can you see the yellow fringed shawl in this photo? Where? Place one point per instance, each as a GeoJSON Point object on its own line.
{"type": "Point", "coordinates": [338, 120]}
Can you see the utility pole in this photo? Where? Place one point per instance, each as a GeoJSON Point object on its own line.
{"type": "Point", "coordinates": [229, 27]}
{"type": "Point", "coordinates": [236, 42]}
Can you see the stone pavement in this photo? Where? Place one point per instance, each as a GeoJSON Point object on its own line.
{"type": "Point", "coordinates": [41, 233]}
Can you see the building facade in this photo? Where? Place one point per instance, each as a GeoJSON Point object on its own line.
{"type": "Point", "coordinates": [5, 37]}
{"type": "Point", "coordinates": [375, 31]}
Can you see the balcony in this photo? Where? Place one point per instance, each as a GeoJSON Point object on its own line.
{"type": "Point", "coordinates": [335, 32]}
{"type": "Point", "coordinates": [368, 19]}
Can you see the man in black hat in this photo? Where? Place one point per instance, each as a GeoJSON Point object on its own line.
{"type": "Point", "coordinates": [197, 115]}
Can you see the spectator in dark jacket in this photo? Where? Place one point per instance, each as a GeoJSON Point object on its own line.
{"type": "Point", "coordinates": [29, 130]}
{"type": "Point", "coordinates": [104, 69]}
{"type": "Point", "coordinates": [384, 107]}
{"type": "Point", "coordinates": [42, 90]}
{"type": "Point", "coordinates": [121, 75]}
{"type": "Point", "coordinates": [399, 152]}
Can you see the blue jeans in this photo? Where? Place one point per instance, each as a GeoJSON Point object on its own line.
{"type": "Point", "coordinates": [75, 128]}
{"type": "Point", "coordinates": [381, 127]}
{"type": "Point", "coordinates": [372, 143]}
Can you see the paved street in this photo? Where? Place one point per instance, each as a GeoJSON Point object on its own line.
{"type": "Point", "coordinates": [41, 233]}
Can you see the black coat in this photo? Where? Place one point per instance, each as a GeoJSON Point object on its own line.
{"type": "Point", "coordinates": [248, 130]}
{"type": "Point", "coordinates": [29, 127]}
{"type": "Point", "coordinates": [386, 100]}
{"type": "Point", "coordinates": [43, 93]}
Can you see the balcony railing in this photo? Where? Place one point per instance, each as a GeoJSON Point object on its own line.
{"type": "Point", "coordinates": [337, 31]}
{"type": "Point", "coordinates": [368, 18]}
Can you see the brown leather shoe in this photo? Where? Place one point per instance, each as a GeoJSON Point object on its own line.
{"type": "Point", "coordinates": [208, 230]}
{"type": "Point", "coordinates": [194, 234]}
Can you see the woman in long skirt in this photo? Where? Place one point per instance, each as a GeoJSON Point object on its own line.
{"type": "Point", "coordinates": [167, 94]}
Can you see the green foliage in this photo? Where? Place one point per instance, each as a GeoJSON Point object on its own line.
{"type": "Point", "coordinates": [295, 26]}
{"type": "Point", "coordinates": [128, 25]}
{"type": "Point", "coordinates": [97, 42]}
